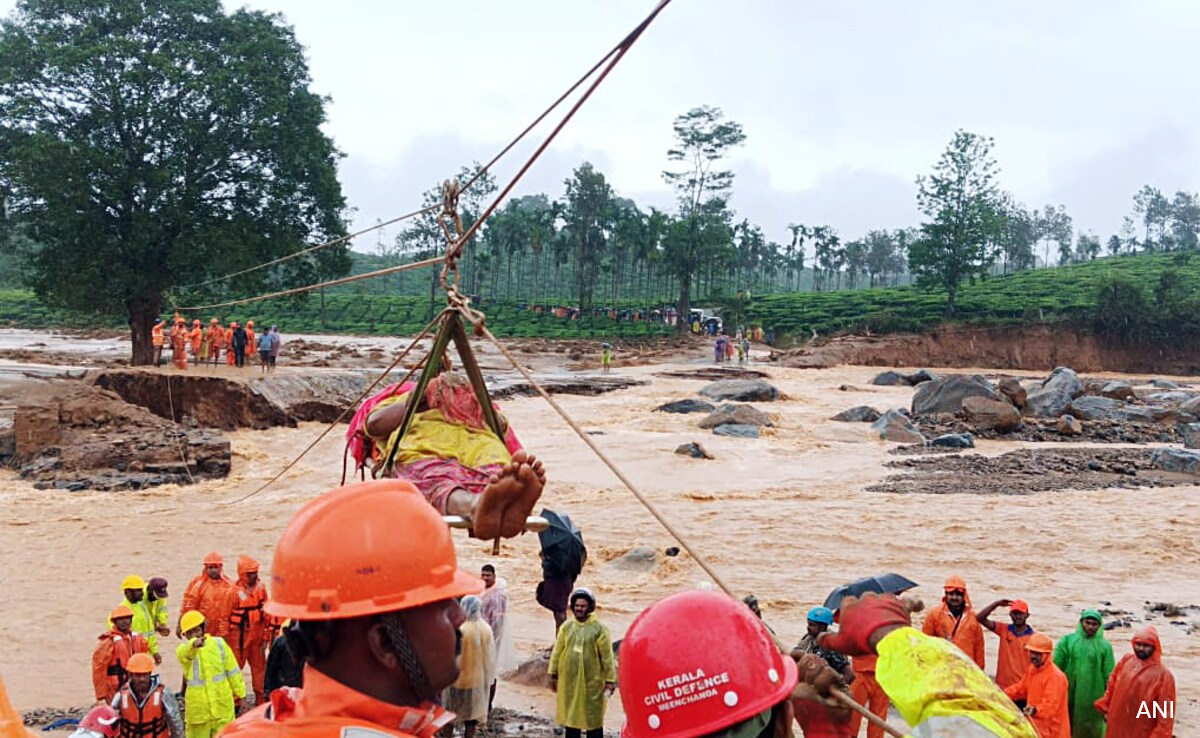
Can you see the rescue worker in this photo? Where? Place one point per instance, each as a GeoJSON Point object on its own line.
{"type": "Point", "coordinates": [1140, 699]}
{"type": "Point", "coordinates": [583, 655]}
{"type": "Point", "coordinates": [866, 691]}
{"type": "Point", "coordinates": [11, 724]}
{"type": "Point", "coordinates": [955, 621]}
{"type": "Point", "coordinates": [216, 339]}
{"type": "Point", "coordinates": [819, 721]}
{"type": "Point", "coordinates": [145, 708]}
{"type": "Point", "coordinates": [237, 342]}
{"type": "Point", "coordinates": [721, 676]}
{"type": "Point", "coordinates": [248, 633]}
{"type": "Point", "coordinates": [375, 616]}
{"type": "Point", "coordinates": [112, 653]}
{"type": "Point", "coordinates": [1087, 660]}
{"type": "Point", "coordinates": [251, 339]}
{"type": "Point", "coordinates": [196, 338]}
{"type": "Point", "coordinates": [283, 669]}
{"type": "Point", "coordinates": [134, 589]}
{"type": "Point", "coordinates": [1013, 659]}
{"type": "Point", "coordinates": [1043, 690]}
{"type": "Point", "coordinates": [99, 722]}
{"type": "Point", "coordinates": [230, 354]}
{"type": "Point", "coordinates": [933, 685]}
{"type": "Point", "coordinates": [179, 344]}
{"type": "Point", "coordinates": [156, 603]}
{"type": "Point", "coordinates": [212, 593]}
{"type": "Point", "coordinates": [157, 339]}
{"type": "Point", "coordinates": [215, 686]}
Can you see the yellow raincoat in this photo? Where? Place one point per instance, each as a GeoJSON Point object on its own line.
{"type": "Point", "coordinates": [143, 623]}
{"type": "Point", "coordinates": [158, 612]}
{"type": "Point", "coordinates": [937, 688]}
{"type": "Point", "coordinates": [430, 435]}
{"type": "Point", "coordinates": [213, 681]}
{"type": "Point", "coordinates": [582, 660]}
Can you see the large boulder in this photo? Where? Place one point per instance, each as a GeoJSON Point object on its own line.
{"type": "Point", "coordinates": [736, 430]}
{"type": "Point", "coordinates": [988, 414]}
{"type": "Point", "coordinates": [1190, 410]}
{"type": "Point", "coordinates": [639, 559]}
{"type": "Point", "coordinates": [954, 440]}
{"type": "Point", "coordinates": [919, 377]}
{"type": "Point", "coordinates": [1169, 398]}
{"type": "Point", "coordinates": [888, 379]}
{"type": "Point", "coordinates": [1090, 407]}
{"type": "Point", "coordinates": [1065, 379]}
{"type": "Point", "coordinates": [1069, 425]}
{"type": "Point", "coordinates": [1117, 390]}
{"type": "Point", "coordinates": [946, 395]}
{"type": "Point", "coordinates": [1189, 433]}
{"type": "Point", "coordinates": [736, 414]}
{"type": "Point", "coordinates": [1176, 460]}
{"type": "Point", "coordinates": [860, 414]}
{"type": "Point", "coordinates": [686, 406]}
{"type": "Point", "coordinates": [1164, 383]}
{"type": "Point", "coordinates": [895, 426]}
{"type": "Point", "coordinates": [1047, 403]}
{"type": "Point", "coordinates": [1145, 413]}
{"type": "Point", "coordinates": [694, 450]}
{"type": "Point", "coordinates": [1011, 388]}
{"type": "Point", "coordinates": [741, 390]}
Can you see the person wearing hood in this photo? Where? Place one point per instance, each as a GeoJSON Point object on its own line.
{"type": "Point", "coordinates": [251, 339]}
{"type": "Point", "coordinates": [111, 657]}
{"type": "Point", "coordinates": [179, 338]}
{"type": "Point", "coordinates": [467, 698]}
{"type": "Point", "coordinates": [582, 669]}
{"type": "Point", "coordinates": [1013, 657]}
{"type": "Point", "coordinates": [1043, 690]}
{"type": "Point", "coordinates": [1140, 699]}
{"type": "Point", "coordinates": [210, 592]}
{"type": "Point", "coordinates": [157, 340]}
{"type": "Point", "coordinates": [247, 635]}
{"type": "Point", "coordinates": [1087, 660]}
{"type": "Point", "coordinates": [215, 338]}
{"type": "Point", "coordinates": [196, 338]}
{"type": "Point", "coordinates": [495, 614]}
{"type": "Point", "coordinates": [144, 707]}
{"type": "Point", "coordinates": [955, 621]}
{"type": "Point", "coordinates": [156, 603]}
{"type": "Point", "coordinates": [230, 351]}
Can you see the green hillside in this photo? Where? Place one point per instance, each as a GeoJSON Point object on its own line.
{"type": "Point", "coordinates": [1068, 292]}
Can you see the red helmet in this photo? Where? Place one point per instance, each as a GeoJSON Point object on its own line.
{"type": "Point", "coordinates": [683, 682]}
{"type": "Point", "coordinates": [101, 720]}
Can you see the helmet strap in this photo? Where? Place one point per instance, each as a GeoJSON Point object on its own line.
{"type": "Point", "coordinates": [401, 645]}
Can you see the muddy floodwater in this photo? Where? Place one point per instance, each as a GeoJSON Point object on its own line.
{"type": "Point", "coordinates": [786, 517]}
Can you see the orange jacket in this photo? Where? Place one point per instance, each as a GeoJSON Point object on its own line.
{"type": "Point", "coordinates": [196, 336]}
{"type": "Point", "coordinates": [212, 597]}
{"type": "Point", "coordinates": [251, 342]}
{"type": "Point", "coordinates": [216, 339]}
{"type": "Point", "coordinates": [1138, 694]}
{"type": "Point", "coordinates": [156, 335]}
{"type": "Point", "coordinates": [247, 622]}
{"type": "Point", "coordinates": [1045, 689]}
{"type": "Point", "coordinates": [109, 659]}
{"type": "Point", "coordinates": [325, 707]}
{"type": "Point", "coordinates": [1013, 659]}
{"type": "Point", "coordinates": [965, 632]}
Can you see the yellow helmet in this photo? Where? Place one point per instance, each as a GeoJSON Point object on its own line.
{"type": "Point", "coordinates": [190, 620]}
{"type": "Point", "coordinates": [133, 581]}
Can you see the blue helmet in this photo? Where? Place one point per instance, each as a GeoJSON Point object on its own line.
{"type": "Point", "coordinates": [821, 615]}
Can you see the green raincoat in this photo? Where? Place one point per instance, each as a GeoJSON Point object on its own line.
{"type": "Point", "coordinates": [582, 660]}
{"type": "Point", "coordinates": [1087, 662]}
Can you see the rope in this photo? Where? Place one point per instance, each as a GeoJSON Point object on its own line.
{"type": "Point", "coordinates": [311, 287]}
{"type": "Point", "coordinates": [365, 393]}
{"type": "Point", "coordinates": [182, 457]}
{"type": "Point", "coordinates": [327, 244]}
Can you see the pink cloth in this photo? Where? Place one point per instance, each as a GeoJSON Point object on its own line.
{"type": "Point", "coordinates": [437, 478]}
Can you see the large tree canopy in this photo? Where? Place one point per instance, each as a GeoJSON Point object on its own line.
{"type": "Point", "coordinates": [153, 143]}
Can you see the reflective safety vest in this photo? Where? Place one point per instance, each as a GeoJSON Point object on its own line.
{"type": "Point", "coordinates": [213, 680]}
{"type": "Point", "coordinates": [147, 720]}
{"type": "Point", "coordinates": [246, 620]}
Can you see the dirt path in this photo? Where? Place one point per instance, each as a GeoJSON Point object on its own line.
{"type": "Point", "coordinates": [787, 517]}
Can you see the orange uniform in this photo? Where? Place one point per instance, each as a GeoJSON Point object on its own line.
{"type": "Point", "coordinates": [216, 339]}
{"type": "Point", "coordinates": [230, 358]}
{"type": "Point", "coordinates": [1044, 689]}
{"type": "Point", "coordinates": [251, 341]}
{"type": "Point", "coordinates": [867, 692]}
{"type": "Point", "coordinates": [156, 335]}
{"type": "Point", "coordinates": [1013, 658]}
{"type": "Point", "coordinates": [248, 628]}
{"type": "Point", "coordinates": [963, 631]}
{"type": "Point", "coordinates": [179, 344]}
{"type": "Point", "coordinates": [1140, 694]}
{"type": "Point", "coordinates": [213, 598]}
{"type": "Point", "coordinates": [326, 708]}
{"type": "Point", "coordinates": [196, 336]}
{"type": "Point", "coordinates": [109, 659]}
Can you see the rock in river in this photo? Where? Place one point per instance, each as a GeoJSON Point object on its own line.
{"type": "Point", "coordinates": [741, 390]}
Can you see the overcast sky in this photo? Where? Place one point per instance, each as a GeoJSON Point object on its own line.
{"type": "Point", "coordinates": [843, 103]}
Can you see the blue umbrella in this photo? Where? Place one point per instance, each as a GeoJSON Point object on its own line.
{"type": "Point", "coordinates": [884, 583]}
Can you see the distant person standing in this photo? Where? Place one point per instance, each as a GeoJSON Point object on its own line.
{"type": "Point", "coordinates": [264, 349]}
{"type": "Point", "coordinates": [606, 354]}
{"type": "Point", "coordinates": [1140, 699]}
{"type": "Point", "coordinates": [157, 340]}
{"type": "Point", "coordinates": [237, 342]}
{"type": "Point", "coordinates": [467, 698]}
{"type": "Point", "coordinates": [582, 669]}
{"type": "Point", "coordinates": [1087, 660]}
{"type": "Point", "coordinates": [276, 344]}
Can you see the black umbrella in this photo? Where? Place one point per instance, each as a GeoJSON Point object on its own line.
{"type": "Point", "coordinates": [563, 551]}
{"type": "Point", "coordinates": [884, 583]}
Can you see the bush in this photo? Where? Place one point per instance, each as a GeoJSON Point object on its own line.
{"type": "Point", "coordinates": [1122, 311]}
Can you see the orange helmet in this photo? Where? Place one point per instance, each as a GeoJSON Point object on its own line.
{"type": "Point", "coordinates": [687, 682]}
{"type": "Point", "coordinates": [213, 320]}
{"type": "Point", "coordinates": [249, 323]}
{"type": "Point", "coordinates": [368, 548]}
{"type": "Point", "coordinates": [1039, 643]}
{"type": "Point", "coordinates": [246, 564]}
{"type": "Point", "coordinates": [120, 611]}
{"type": "Point", "coordinates": [233, 324]}
{"type": "Point", "coordinates": [196, 321]}
{"type": "Point", "coordinates": [140, 663]}
{"type": "Point", "coordinates": [214, 558]}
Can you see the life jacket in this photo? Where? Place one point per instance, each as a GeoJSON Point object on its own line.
{"type": "Point", "coordinates": [156, 335]}
{"type": "Point", "coordinates": [247, 615]}
{"type": "Point", "coordinates": [148, 720]}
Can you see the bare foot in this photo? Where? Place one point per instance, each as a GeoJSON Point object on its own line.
{"type": "Point", "coordinates": [532, 477]}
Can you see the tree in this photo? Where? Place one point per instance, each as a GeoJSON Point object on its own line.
{"type": "Point", "coordinates": [588, 212]}
{"type": "Point", "coordinates": [963, 204]}
{"type": "Point", "coordinates": [1155, 210]}
{"type": "Point", "coordinates": [150, 144]}
{"type": "Point", "coordinates": [1018, 237]}
{"type": "Point", "coordinates": [702, 139]}
{"type": "Point", "coordinates": [1054, 227]}
{"type": "Point", "coordinates": [1185, 220]}
{"type": "Point", "coordinates": [1088, 247]}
